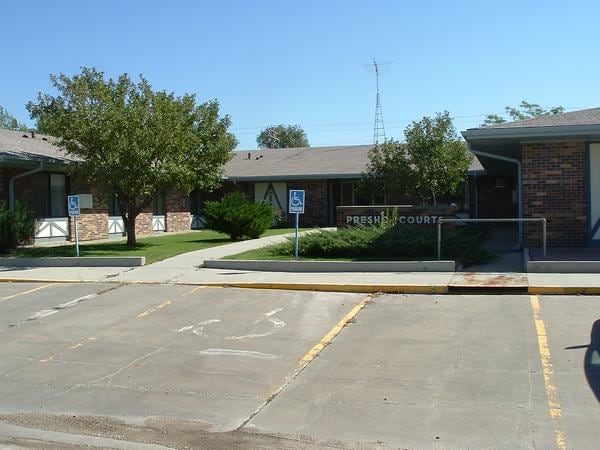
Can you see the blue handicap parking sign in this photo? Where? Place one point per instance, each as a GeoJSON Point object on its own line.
{"type": "Point", "coordinates": [296, 203]}
{"type": "Point", "coordinates": [73, 205]}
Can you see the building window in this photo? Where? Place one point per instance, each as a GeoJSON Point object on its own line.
{"type": "Point", "coordinates": [58, 195]}
{"type": "Point", "coordinates": [352, 195]}
{"type": "Point", "coordinates": [347, 191]}
{"type": "Point", "coordinates": [159, 203]}
{"type": "Point", "coordinates": [113, 205]}
{"type": "Point", "coordinates": [38, 199]}
{"type": "Point", "coordinates": [45, 194]}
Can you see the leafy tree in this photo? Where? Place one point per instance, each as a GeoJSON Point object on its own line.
{"type": "Point", "coordinates": [282, 136]}
{"type": "Point", "coordinates": [432, 163]}
{"type": "Point", "coordinates": [133, 140]}
{"type": "Point", "coordinates": [9, 122]}
{"type": "Point", "coordinates": [524, 111]}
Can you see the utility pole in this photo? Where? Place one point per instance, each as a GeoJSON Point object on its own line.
{"type": "Point", "coordinates": [379, 127]}
{"type": "Point", "coordinates": [273, 139]}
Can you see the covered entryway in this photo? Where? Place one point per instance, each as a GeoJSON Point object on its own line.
{"type": "Point", "coordinates": [594, 171]}
{"type": "Point", "coordinates": [275, 194]}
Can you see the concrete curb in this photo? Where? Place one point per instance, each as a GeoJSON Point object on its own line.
{"type": "Point", "coordinates": [332, 287]}
{"type": "Point", "coordinates": [356, 288]}
{"type": "Point", "coordinates": [54, 280]}
{"type": "Point", "coordinates": [68, 439]}
{"type": "Point", "coordinates": [558, 266]}
{"type": "Point", "coordinates": [563, 267]}
{"type": "Point", "coordinates": [331, 266]}
{"type": "Point", "coordinates": [564, 290]}
{"type": "Point", "coordinates": [320, 287]}
{"type": "Point", "coordinates": [82, 261]}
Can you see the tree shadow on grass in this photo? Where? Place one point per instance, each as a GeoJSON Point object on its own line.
{"type": "Point", "coordinates": [210, 241]}
{"type": "Point", "coordinates": [69, 250]}
{"type": "Point", "coordinates": [161, 245]}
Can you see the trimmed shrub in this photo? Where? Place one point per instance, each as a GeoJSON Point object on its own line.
{"type": "Point", "coordinates": [16, 228]}
{"type": "Point", "coordinates": [389, 242]}
{"type": "Point", "coordinates": [238, 217]}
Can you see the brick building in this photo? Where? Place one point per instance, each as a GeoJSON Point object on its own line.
{"type": "Point", "coordinates": [329, 175]}
{"type": "Point", "coordinates": [34, 172]}
{"type": "Point", "coordinates": [554, 164]}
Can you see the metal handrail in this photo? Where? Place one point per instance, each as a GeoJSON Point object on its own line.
{"type": "Point", "coordinates": [531, 219]}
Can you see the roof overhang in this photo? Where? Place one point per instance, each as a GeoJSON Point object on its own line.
{"type": "Point", "coordinates": [506, 142]}
{"type": "Point", "coordinates": [295, 177]}
{"type": "Point", "coordinates": [25, 162]}
{"type": "Point", "coordinates": [523, 134]}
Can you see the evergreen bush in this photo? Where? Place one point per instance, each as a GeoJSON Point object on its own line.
{"type": "Point", "coordinates": [238, 217]}
{"type": "Point", "coordinates": [17, 227]}
{"type": "Point", "coordinates": [389, 241]}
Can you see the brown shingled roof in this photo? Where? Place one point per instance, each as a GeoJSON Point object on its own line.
{"type": "Point", "coordinates": [20, 144]}
{"type": "Point", "coordinates": [309, 162]}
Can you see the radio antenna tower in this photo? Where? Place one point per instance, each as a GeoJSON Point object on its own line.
{"type": "Point", "coordinates": [379, 127]}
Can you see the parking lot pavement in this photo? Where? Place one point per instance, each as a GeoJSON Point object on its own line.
{"type": "Point", "coordinates": [575, 376]}
{"type": "Point", "coordinates": [449, 372]}
{"type": "Point", "coordinates": [144, 352]}
{"type": "Point", "coordinates": [168, 364]}
{"type": "Point", "coordinates": [23, 302]}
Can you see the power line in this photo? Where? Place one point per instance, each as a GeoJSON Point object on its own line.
{"type": "Point", "coordinates": [342, 124]}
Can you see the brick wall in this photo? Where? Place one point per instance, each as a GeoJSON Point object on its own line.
{"type": "Point", "coordinates": [555, 187]}
{"type": "Point", "coordinates": [317, 203]}
{"type": "Point", "coordinates": [407, 214]}
{"type": "Point", "coordinates": [90, 226]}
{"type": "Point", "coordinates": [143, 223]}
{"type": "Point", "coordinates": [177, 211]}
{"type": "Point", "coordinates": [93, 222]}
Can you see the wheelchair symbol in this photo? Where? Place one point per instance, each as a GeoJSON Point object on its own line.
{"type": "Point", "coordinates": [73, 205]}
{"type": "Point", "coordinates": [296, 201]}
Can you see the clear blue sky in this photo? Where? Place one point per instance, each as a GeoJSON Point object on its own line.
{"type": "Point", "coordinates": [304, 62]}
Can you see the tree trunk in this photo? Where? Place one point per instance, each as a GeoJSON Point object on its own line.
{"type": "Point", "coordinates": [130, 226]}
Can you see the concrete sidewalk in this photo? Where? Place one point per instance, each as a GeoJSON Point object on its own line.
{"type": "Point", "coordinates": [185, 269]}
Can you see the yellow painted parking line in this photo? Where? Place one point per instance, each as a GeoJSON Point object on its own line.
{"type": "Point", "coordinates": [275, 389]}
{"type": "Point", "coordinates": [72, 347]}
{"type": "Point", "coordinates": [312, 354]}
{"type": "Point", "coordinates": [197, 288]}
{"type": "Point", "coordinates": [319, 346]}
{"type": "Point", "coordinates": [151, 310]}
{"type": "Point", "coordinates": [93, 338]}
{"type": "Point", "coordinates": [328, 338]}
{"type": "Point", "coordinates": [39, 288]}
{"type": "Point", "coordinates": [554, 407]}
{"type": "Point", "coordinates": [193, 290]}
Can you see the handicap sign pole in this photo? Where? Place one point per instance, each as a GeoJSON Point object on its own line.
{"type": "Point", "coordinates": [74, 211]}
{"type": "Point", "coordinates": [76, 238]}
{"type": "Point", "coordinates": [296, 206]}
{"type": "Point", "coordinates": [296, 241]}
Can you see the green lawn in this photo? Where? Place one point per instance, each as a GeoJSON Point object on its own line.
{"type": "Point", "coordinates": [154, 248]}
{"type": "Point", "coordinates": [260, 253]}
